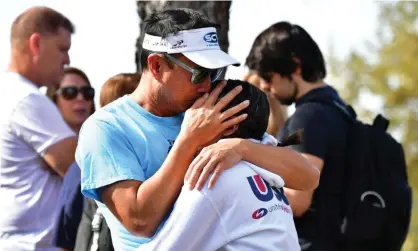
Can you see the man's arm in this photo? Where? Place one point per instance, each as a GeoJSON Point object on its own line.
{"type": "Point", "coordinates": [297, 172]}
{"type": "Point", "coordinates": [141, 206]}
{"type": "Point", "coordinates": [315, 146]}
{"type": "Point", "coordinates": [194, 224]}
{"type": "Point", "coordinates": [60, 156]}
{"type": "Point", "coordinates": [38, 122]}
{"type": "Point", "coordinates": [301, 200]}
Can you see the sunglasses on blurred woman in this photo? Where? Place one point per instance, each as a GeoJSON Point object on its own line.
{"type": "Point", "coordinates": [71, 92]}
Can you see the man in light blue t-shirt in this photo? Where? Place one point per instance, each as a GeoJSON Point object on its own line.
{"type": "Point", "coordinates": [134, 152]}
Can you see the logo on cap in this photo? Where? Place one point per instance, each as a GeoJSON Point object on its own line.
{"type": "Point", "coordinates": [178, 44]}
{"type": "Point", "coordinates": [210, 38]}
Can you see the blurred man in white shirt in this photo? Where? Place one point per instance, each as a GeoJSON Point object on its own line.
{"type": "Point", "coordinates": [36, 145]}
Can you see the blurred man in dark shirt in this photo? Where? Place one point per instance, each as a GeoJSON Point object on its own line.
{"type": "Point", "coordinates": [293, 66]}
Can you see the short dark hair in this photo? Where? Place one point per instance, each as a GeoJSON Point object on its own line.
{"type": "Point", "coordinates": [255, 125]}
{"type": "Point", "coordinates": [275, 49]}
{"type": "Point", "coordinates": [118, 86]}
{"type": "Point", "coordinates": [171, 21]}
{"type": "Point", "coordinates": [41, 20]}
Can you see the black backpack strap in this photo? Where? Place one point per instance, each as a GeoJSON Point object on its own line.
{"type": "Point", "coordinates": [93, 232]}
{"type": "Point", "coordinates": [96, 225]}
{"type": "Point", "coordinates": [347, 110]}
{"type": "Point", "coordinates": [379, 122]}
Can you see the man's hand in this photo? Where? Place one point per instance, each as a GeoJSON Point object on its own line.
{"type": "Point", "coordinates": [214, 158]}
{"type": "Point", "coordinates": [205, 121]}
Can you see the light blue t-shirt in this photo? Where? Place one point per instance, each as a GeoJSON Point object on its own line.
{"type": "Point", "coordinates": [123, 141]}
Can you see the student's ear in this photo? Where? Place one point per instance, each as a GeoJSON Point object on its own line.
{"type": "Point", "coordinates": [230, 130]}
{"type": "Point", "coordinates": [298, 70]}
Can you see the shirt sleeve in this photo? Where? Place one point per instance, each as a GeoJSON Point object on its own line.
{"type": "Point", "coordinates": [315, 131]}
{"type": "Point", "coordinates": [38, 122]}
{"type": "Point", "coordinates": [194, 224]}
{"type": "Point", "coordinates": [105, 156]}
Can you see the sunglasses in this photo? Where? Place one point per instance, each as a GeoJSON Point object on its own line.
{"type": "Point", "coordinates": [198, 74]}
{"type": "Point", "coordinates": [71, 92]}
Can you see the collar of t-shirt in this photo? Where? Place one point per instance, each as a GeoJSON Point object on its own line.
{"type": "Point", "coordinates": [272, 179]}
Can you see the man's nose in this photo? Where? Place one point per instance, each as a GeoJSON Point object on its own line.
{"type": "Point", "coordinates": [66, 60]}
{"type": "Point", "coordinates": [80, 96]}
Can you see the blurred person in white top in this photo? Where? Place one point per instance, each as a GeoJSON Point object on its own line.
{"type": "Point", "coordinates": [246, 210]}
{"type": "Point", "coordinates": [36, 145]}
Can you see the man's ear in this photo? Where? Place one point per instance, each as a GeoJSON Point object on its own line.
{"type": "Point", "coordinates": [230, 130]}
{"type": "Point", "coordinates": [156, 63]}
{"type": "Point", "coordinates": [35, 44]}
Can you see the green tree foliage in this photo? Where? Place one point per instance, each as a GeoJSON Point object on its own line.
{"type": "Point", "coordinates": [389, 70]}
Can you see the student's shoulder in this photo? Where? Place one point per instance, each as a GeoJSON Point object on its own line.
{"type": "Point", "coordinates": [233, 185]}
{"type": "Point", "coordinates": [242, 168]}
{"type": "Point", "coordinates": [231, 179]}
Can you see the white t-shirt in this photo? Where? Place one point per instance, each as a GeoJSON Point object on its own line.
{"type": "Point", "coordinates": [240, 213]}
{"type": "Point", "coordinates": [29, 123]}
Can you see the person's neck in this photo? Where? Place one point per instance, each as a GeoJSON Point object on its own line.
{"type": "Point", "coordinates": [148, 96]}
{"type": "Point", "coordinates": [305, 87]}
{"type": "Point", "coordinates": [22, 68]}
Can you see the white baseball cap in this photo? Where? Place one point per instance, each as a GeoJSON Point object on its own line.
{"type": "Point", "coordinates": [199, 45]}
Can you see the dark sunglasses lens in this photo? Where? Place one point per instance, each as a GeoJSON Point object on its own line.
{"type": "Point", "coordinates": [69, 92]}
{"type": "Point", "coordinates": [200, 75]}
{"type": "Point", "coordinates": [215, 74]}
{"type": "Point", "coordinates": [88, 93]}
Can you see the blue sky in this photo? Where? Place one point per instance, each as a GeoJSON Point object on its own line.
{"type": "Point", "coordinates": [106, 30]}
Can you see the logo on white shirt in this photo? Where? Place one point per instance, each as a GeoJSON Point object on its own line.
{"type": "Point", "coordinates": [260, 188]}
{"type": "Point", "coordinates": [259, 213]}
{"type": "Point", "coordinates": [265, 193]}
